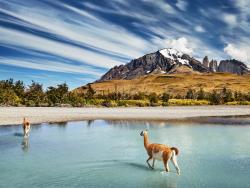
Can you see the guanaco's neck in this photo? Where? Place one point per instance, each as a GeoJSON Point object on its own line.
{"type": "Point", "coordinates": [146, 140]}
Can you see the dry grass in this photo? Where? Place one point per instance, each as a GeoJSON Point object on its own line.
{"type": "Point", "coordinates": [187, 102]}
{"type": "Point", "coordinates": [174, 83]}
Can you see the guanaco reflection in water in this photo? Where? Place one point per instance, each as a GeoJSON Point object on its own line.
{"type": "Point", "coordinates": [25, 144]}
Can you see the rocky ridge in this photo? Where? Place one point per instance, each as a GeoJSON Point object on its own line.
{"type": "Point", "coordinates": [170, 61]}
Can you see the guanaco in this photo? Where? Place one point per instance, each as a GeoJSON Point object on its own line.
{"type": "Point", "coordinates": [26, 127]}
{"type": "Point", "coordinates": [160, 152]}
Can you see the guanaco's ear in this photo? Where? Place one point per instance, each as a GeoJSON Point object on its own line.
{"type": "Point", "coordinates": [24, 119]}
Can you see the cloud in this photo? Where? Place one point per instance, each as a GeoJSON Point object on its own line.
{"type": "Point", "coordinates": [46, 65]}
{"type": "Point", "coordinates": [140, 15]}
{"type": "Point", "coordinates": [162, 5]}
{"type": "Point", "coordinates": [238, 52]}
{"type": "Point", "coordinates": [180, 44]}
{"type": "Point", "coordinates": [33, 42]}
{"type": "Point", "coordinates": [182, 5]}
{"type": "Point", "coordinates": [199, 29]}
{"type": "Point", "coordinates": [91, 32]}
{"type": "Point", "coordinates": [229, 19]}
{"type": "Point", "coordinates": [243, 6]}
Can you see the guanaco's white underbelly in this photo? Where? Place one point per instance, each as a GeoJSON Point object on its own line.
{"type": "Point", "coordinates": [158, 155]}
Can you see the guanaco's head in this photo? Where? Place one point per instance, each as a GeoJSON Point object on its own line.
{"type": "Point", "coordinates": [25, 121]}
{"type": "Point", "coordinates": [144, 132]}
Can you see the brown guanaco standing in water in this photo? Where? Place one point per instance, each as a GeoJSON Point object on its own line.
{"type": "Point", "coordinates": [160, 152]}
{"type": "Point", "coordinates": [26, 127]}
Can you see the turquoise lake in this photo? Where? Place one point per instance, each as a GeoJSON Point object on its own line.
{"type": "Point", "coordinates": [111, 154]}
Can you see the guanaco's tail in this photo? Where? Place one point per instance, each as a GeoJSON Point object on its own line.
{"type": "Point", "coordinates": [175, 149]}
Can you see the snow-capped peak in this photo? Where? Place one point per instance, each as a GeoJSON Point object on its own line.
{"type": "Point", "coordinates": [174, 55]}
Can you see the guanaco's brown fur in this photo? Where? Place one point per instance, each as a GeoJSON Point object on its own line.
{"type": "Point", "coordinates": [26, 127]}
{"type": "Point", "coordinates": [160, 152]}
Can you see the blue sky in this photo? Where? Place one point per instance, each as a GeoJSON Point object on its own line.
{"type": "Point", "coordinates": [77, 41]}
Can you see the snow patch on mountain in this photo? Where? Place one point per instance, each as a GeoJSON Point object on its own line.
{"type": "Point", "coordinates": [173, 55]}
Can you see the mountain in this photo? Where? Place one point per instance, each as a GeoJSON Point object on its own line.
{"type": "Point", "coordinates": [174, 72]}
{"type": "Point", "coordinates": [163, 61]}
{"type": "Point", "coordinates": [171, 61]}
{"type": "Point", "coordinates": [233, 66]}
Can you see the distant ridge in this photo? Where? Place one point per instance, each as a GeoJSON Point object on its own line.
{"type": "Point", "coordinates": [171, 61]}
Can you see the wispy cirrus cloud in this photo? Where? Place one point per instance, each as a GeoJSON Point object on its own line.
{"type": "Point", "coordinates": [92, 32]}
{"type": "Point", "coordinates": [52, 66]}
{"type": "Point", "coordinates": [33, 42]}
{"type": "Point", "coordinates": [182, 5]}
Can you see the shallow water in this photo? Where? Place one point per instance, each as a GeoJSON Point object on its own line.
{"type": "Point", "coordinates": [111, 154]}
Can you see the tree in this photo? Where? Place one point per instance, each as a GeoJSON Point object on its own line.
{"type": "Point", "coordinates": [58, 94]}
{"type": "Point", "coordinates": [239, 96]}
{"type": "Point", "coordinates": [75, 99]}
{"type": "Point", "coordinates": [90, 92]}
{"type": "Point", "coordinates": [19, 89]}
{"type": "Point", "coordinates": [165, 97]}
{"type": "Point", "coordinates": [34, 95]}
{"type": "Point", "coordinates": [8, 97]}
{"type": "Point", "coordinates": [227, 95]}
{"type": "Point", "coordinates": [7, 93]}
{"type": "Point", "coordinates": [190, 94]}
{"type": "Point", "coordinates": [153, 98]}
{"type": "Point", "coordinates": [201, 94]}
{"type": "Point", "coordinates": [7, 84]}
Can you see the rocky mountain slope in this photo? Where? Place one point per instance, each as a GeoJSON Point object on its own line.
{"type": "Point", "coordinates": [170, 61]}
{"type": "Point", "coordinates": [233, 66]}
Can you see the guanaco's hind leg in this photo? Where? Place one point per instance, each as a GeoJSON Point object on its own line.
{"type": "Point", "coordinates": [150, 157]}
{"type": "Point", "coordinates": [153, 163]}
{"type": "Point", "coordinates": [166, 158]}
{"type": "Point", "coordinates": [165, 162]}
{"type": "Point", "coordinates": [174, 161]}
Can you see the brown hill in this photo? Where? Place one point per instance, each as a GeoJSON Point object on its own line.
{"type": "Point", "coordinates": [173, 83]}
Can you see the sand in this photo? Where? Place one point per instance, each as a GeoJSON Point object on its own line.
{"type": "Point", "coordinates": [14, 115]}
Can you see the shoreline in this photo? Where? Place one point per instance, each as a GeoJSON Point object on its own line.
{"type": "Point", "coordinates": [37, 115]}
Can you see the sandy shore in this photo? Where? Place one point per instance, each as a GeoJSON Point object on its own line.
{"type": "Point", "coordinates": [14, 115]}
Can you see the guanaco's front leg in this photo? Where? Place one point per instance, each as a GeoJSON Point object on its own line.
{"type": "Point", "coordinates": [150, 157]}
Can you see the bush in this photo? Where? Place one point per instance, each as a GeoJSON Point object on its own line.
{"type": "Point", "coordinates": [238, 103]}
{"type": "Point", "coordinates": [187, 102]}
{"type": "Point", "coordinates": [227, 95]}
{"type": "Point", "coordinates": [139, 103]}
{"type": "Point", "coordinates": [215, 98]}
{"type": "Point", "coordinates": [109, 103]}
{"type": "Point", "coordinates": [165, 104]}
{"type": "Point", "coordinates": [190, 94]}
{"type": "Point", "coordinates": [153, 98]}
{"type": "Point", "coordinates": [139, 96]}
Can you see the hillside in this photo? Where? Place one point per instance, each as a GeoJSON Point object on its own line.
{"type": "Point", "coordinates": [174, 72]}
{"type": "Point", "coordinates": [173, 83]}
